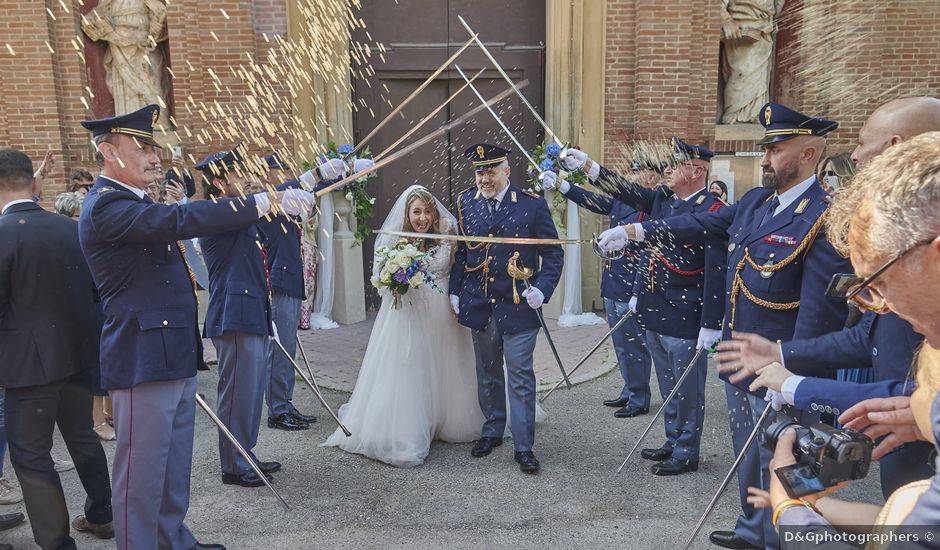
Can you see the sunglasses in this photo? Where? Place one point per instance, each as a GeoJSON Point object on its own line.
{"type": "Point", "coordinates": [851, 287]}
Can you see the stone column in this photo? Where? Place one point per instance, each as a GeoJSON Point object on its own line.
{"type": "Point", "coordinates": [322, 116]}
{"type": "Point", "coordinates": [574, 108]}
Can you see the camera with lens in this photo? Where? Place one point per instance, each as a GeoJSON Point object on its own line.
{"type": "Point", "coordinates": [825, 456]}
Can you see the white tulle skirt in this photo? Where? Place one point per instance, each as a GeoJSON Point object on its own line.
{"type": "Point", "coordinates": [417, 384]}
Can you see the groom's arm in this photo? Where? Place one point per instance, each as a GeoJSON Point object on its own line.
{"type": "Point", "coordinates": [457, 271]}
{"type": "Point", "coordinates": [552, 255]}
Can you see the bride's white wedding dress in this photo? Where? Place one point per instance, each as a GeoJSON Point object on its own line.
{"type": "Point", "coordinates": [417, 382]}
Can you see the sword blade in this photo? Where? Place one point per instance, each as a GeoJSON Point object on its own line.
{"type": "Point", "coordinates": [313, 387]}
{"type": "Point", "coordinates": [433, 135]}
{"type": "Point", "coordinates": [734, 468]}
{"type": "Point", "coordinates": [589, 353]}
{"type": "Point", "coordinates": [666, 401]}
{"type": "Point", "coordinates": [241, 450]}
{"type": "Point", "coordinates": [408, 99]}
{"type": "Point", "coordinates": [551, 343]}
{"type": "Point", "coordinates": [499, 120]}
{"type": "Point", "coordinates": [425, 119]}
{"type": "Point", "coordinates": [303, 354]}
{"type": "Point", "coordinates": [480, 239]}
{"type": "Point", "coordinates": [505, 76]}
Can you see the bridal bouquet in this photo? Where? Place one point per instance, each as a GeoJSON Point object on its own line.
{"type": "Point", "coordinates": [403, 267]}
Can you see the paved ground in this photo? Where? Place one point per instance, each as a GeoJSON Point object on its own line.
{"type": "Point", "coordinates": [456, 501]}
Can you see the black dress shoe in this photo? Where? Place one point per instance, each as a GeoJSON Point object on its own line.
{"type": "Point", "coordinates": [630, 411]}
{"type": "Point", "coordinates": [300, 417]}
{"type": "Point", "coordinates": [249, 479]}
{"type": "Point", "coordinates": [268, 467]}
{"type": "Point", "coordinates": [619, 402]}
{"type": "Point", "coordinates": [206, 546]}
{"type": "Point", "coordinates": [658, 455]}
{"type": "Point", "coordinates": [730, 539]}
{"type": "Point", "coordinates": [286, 422]}
{"type": "Point", "coordinates": [673, 466]}
{"type": "Point", "coordinates": [485, 446]}
{"type": "Point", "coordinates": [8, 521]}
{"type": "Point", "coordinates": [527, 462]}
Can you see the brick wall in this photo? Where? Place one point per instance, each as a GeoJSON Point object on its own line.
{"type": "Point", "coordinates": [662, 66]}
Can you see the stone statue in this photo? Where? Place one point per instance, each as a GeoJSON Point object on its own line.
{"type": "Point", "coordinates": [133, 63]}
{"type": "Point", "coordinates": [747, 29]}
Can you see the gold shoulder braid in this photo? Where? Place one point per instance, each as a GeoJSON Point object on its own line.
{"type": "Point", "coordinates": [737, 284]}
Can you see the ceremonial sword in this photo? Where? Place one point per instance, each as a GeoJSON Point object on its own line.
{"type": "Point", "coordinates": [666, 401]}
{"type": "Point", "coordinates": [734, 468]}
{"type": "Point", "coordinates": [241, 450]}
{"type": "Point", "coordinates": [313, 387]}
{"type": "Point", "coordinates": [475, 37]}
{"type": "Point", "coordinates": [408, 99]}
{"type": "Point", "coordinates": [589, 353]}
{"type": "Point", "coordinates": [409, 148]}
{"type": "Point", "coordinates": [306, 363]}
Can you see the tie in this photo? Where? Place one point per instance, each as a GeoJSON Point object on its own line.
{"type": "Point", "coordinates": [770, 211]}
{"type": "Point", "coordinates": [494, 204]}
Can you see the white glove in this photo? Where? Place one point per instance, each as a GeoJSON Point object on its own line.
{"type": "Point", "coordinates": [358, 165]}
{"type": "Point", "coordinates": [262, 203]}
{"type": "Point", "coordinates": [550, 180]}
{"type": "Point", "coordinates": [297, 201]}
{"type": "Point", "coordinates": [632, 304]}
{"type": "Point", "coordinates": [613, 239]}
{"type": "Point", "coordinates": [573, 159]}
{"type": "Point", "coordinates": [455, 303]}
{"type": "Point", "coordinates": [274, 331]}
{"type": "Point", "coordinates": [309, 180]}
{"type": "Point", "coordinates": [534, 297]}
{"type": "Point", "coordinates": [775, 399]}
{"type": "Point", "coordinates": [707, 338]}
{"type": "Point", "coordinates": [332, 169]}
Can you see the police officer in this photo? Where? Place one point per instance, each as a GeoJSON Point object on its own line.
{"type": "Point", "coordinates": [680, 300]}
{"type": "Point", "coordinates": [779, 265]}
{"type": "Point", "coordinates": [238, 320]}
{"type": "Point", "coordinates": [488, 300]}
{"type": "Point", "coordinates": [285, 265]}
{"type": "Point", "coordinates": [617, 283]}
{"type": "Point", "coordinates": [150, 340]}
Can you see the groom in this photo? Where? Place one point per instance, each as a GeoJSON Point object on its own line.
{"type": "Point", "coordinates": [499, 309]}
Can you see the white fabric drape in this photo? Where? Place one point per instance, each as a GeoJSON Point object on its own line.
{"type": "Point", "coordinates": [572, 314]}
{"type": "Point", "coordinates": [323, 303]}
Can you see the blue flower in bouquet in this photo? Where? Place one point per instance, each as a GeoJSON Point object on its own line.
{"type": "Point", "coordinates": [400, 276]}
{"type": "Point", "coordinates": [547, 164]}
{"type": "Point", "coordinates": [553, 149]}
{"type": "Point", "coordinates": [345, 149]}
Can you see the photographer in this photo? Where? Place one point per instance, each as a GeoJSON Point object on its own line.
{"type": "Point", "coordinates": [887, 220]}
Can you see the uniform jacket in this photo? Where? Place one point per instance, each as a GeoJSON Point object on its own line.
{"type": "Point", "coordinates": [48, 330]}
{"type": "Point", "coordinates": [238, 283]}
{"type": "Point", "coordinates": [150, 330]}
{"type": "Point", "coordinates": [479, 275]}
{"type": "Point", "coordinates": [681, 285]}
{"type": "Point", "coordinates": [778, 271]}
{"type": "Point", "coordinates": [619, 275]}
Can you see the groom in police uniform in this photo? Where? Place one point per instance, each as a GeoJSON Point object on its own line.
{"type": "Point", "coordinates": [499, 309]}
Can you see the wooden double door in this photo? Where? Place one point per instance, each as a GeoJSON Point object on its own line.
{"type": "Point", "coordinates": [418, 37]}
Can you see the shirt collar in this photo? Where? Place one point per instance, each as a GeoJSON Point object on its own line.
{"type": "Point", "coordinates": [139, 192]}
{"type": "Point", "coordinates": [11, 203]}
{"type": "Point", "coordinates": [787, 197]}
{"type": "Point", "coordinates": [693, 195]}
{"type": "Point", "coordinates": [499, 196]}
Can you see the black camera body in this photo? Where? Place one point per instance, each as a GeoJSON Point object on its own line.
{"type": "Point", "coordinates": [825, 456]}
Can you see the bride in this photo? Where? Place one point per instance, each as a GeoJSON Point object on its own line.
{"type": "Point", "coordinates": [418, 381]}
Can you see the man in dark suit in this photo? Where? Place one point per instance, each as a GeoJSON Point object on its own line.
{"type": "Point", "coordinates": [48, 350]}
